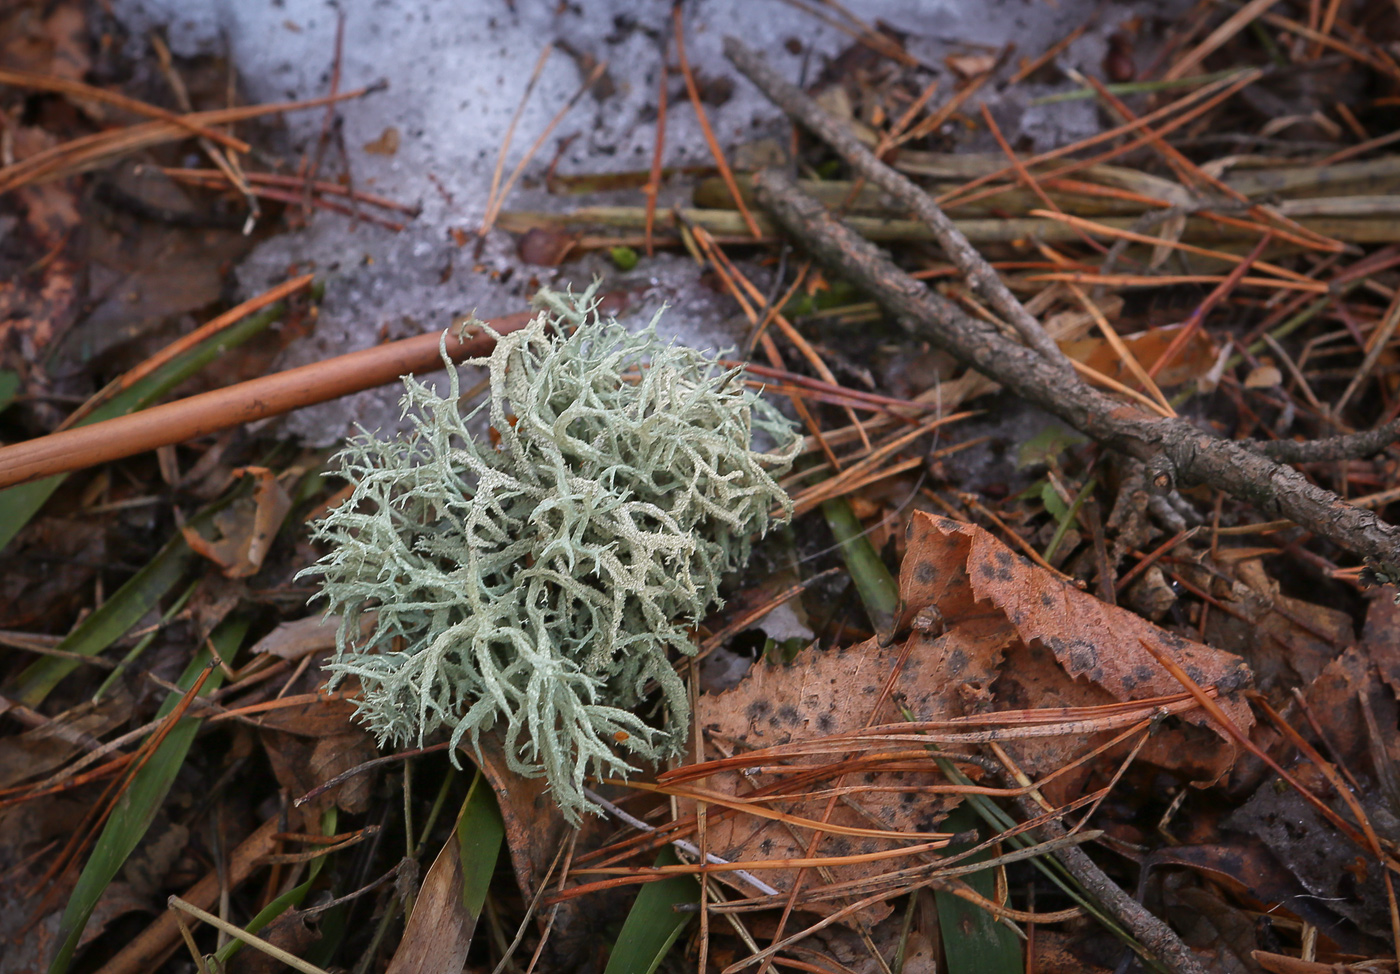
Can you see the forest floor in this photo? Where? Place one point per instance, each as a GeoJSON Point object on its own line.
{"type": "Point", "coordinates": [1080, 649]}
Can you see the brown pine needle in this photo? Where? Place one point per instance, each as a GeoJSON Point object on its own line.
{"type": "Point", "coordinates": [510, 130]}
{"type": "Point", "coordinates": [92, 151]}
{"type": "Point", "coordinates": [720, 162]}
{"type": "Point", "coordinates": [494, 211]}
{"type": "Point", "coordinates": [1124, 353]}
{"type": "Point", "coordinates": [658, 152]}
{"type": "Point", "coordinates": [85, 92]}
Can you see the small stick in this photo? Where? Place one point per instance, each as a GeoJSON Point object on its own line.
{"type": "Point", "coordinates": [269, 395]}
{"type": "Point", "coordinates": [238, 933]}
{"type": "Point", "coordinates": [978, 272]}
{"type": "Point", "coordinates": [1178, 451]}
{"type": "Point", "coordinates": [1156, 937]}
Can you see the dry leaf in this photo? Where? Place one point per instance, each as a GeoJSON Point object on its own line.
{"type": "Point", "coordinates": [439, 931]}
{"type": "Point", "coordinates": [988, 632]}
{"type": "Point", "coordinates": [387, 143]}
{"type": "Point", "coordinates": [247, 526]}
{"type": "Point", "coordinates": [302, 637]}
{"type": "Point", "coordinates": [310, 744]}
{"type": "Point", "coordinates": [969, 66]}
{"type": "Point", "coordinates": [1190, 362]}
{"type": "Point", "coordinates": [1264, 377]}
{"type": "Point", "coordinates": [534, 825]}
{"type": "Point", "coordinates": [545, 246]}
{"type": "Point", "coordinates": [964, 572]}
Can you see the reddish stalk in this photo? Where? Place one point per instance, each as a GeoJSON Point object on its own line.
{"type": "Point", "coordinates": [271, 395]}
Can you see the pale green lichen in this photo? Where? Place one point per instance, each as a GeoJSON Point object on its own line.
{"type": "Point", "coordinates": [542, 583]}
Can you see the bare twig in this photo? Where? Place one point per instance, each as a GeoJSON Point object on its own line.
{"type": "Point", "coordinates": [1177, 451]}
{"type": "Point", "coordinates": [979, 274]}
{"type": "Point", "coordinates": [1351, 447]}
{"type": "Point", "coordinates": [1154, 935]}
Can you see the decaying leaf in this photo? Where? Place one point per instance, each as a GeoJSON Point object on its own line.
{"type": "Point", "coordinates": [1190, 362]}
{"type": "Point", "coordinates": [311, 744]}
{"type": "Point", "coordinates": [302, 637]}
{"type": "Point", "coordinates": [247, 526]}
{"type": "Point", "coordinates": [1013, 637]}
{"type": "Point", "coordinates": [1098, 647]}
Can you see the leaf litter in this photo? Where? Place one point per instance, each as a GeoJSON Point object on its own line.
{"type": "Point", "coordinates": [1003, 678]}
{"type": "Point", "coordinates": [1014, 637]}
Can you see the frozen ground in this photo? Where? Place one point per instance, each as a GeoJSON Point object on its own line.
{"type": "Point", "coordinates": [456, 72]}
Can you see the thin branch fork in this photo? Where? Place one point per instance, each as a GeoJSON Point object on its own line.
{"type": "Point", "coordinates": [1176, 451]}
{"type": "Point", "coordinates": [978, 273]}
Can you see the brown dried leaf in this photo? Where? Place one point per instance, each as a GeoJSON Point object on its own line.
{"type": "Point", "coordinates": [247, 526]}
{"type": "Point", "coordinates": [1381, 637]}
{"type": "Point", "coordinates": [1189, 363]}
{"type": "Point", "coordinates": [1090, 639]}
{"type": "Point", "coordinates": [440, 930]}
{"type": "Point", "coordinates": [386, 145]}
{"type": "Point", "coordinates": [42, 749]}
{"type": "Point", "coordinates": [545, 246]}
{"type": "Point", "coordinates": [1013, 636]}
{"type": "Point", "coordinates": [1287, 641]}
{"type": "Point", "coordinates": [302, 637]}
{"type": "Point", "coordinates": [534, 825]}
{"type": "Point", "coordinates": [311, 744]}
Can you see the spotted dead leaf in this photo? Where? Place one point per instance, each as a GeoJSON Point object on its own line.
{"type": "Point", "coordinates": [988, 632]}
{"type": "Point", "coordinates": [1096, 646]}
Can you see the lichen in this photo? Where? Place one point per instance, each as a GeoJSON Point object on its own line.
{"type": "Point", "coordinates": [543, 580]}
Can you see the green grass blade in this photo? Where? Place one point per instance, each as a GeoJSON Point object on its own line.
{"type": "Point", "coordinates": [480, 834]}
{"type": "Point", "coordinates": [279, 905]}
{"type": "Point", "coordinates": [653, 925]}
{"type": "Point", "coordinates": [876, 585]}
{"type": "Point", "coordinates": [20, 503]}
{"type": "Point", "coordinates": [974, 941]}
{"type": "Point", "coordinates": [144, 643]}
{"type": "Point", "coordinates": [111, 620]}
{"type": "Point", "coordinates": [142, 798]}
{"type": "Point", "coordinates": [9, 388]}
{"type": "Point", "coordinates": [439, 931]}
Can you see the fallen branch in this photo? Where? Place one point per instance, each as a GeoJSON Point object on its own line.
{"type": "Point", "coordinates": [1176, 451]}
{"type": "Point", "coordinates": [1156, 938]}
{"type": "Point", "coordinates": [270, 395]}
{"type": "Point", "coordinates": [978, 273]}
{"type": "Point", "coordinates": [1353, 446]}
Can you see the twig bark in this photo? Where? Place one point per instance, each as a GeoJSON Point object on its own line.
{"type": "Point", "coordinates": [1153, 934]}
{"type": "Point", "coordinates": [979, 274]}
{"type": "Point", "coordinates": [1354, 446]}
{"type": "Point", "coordinates": [1177, 451]}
